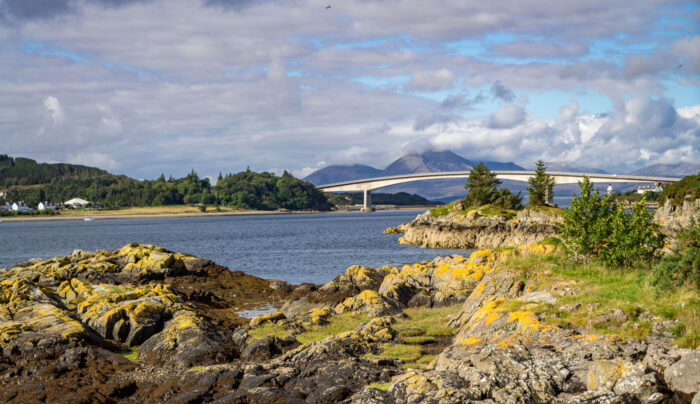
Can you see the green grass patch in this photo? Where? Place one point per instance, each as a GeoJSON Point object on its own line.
{"type": "Point", "coordinates": [381, 386]}
{"type": "Point", "coordinates": [488, 210]}
{"type": "Point", "coordinates": [603, 289]}
{"type": "Point", "coordinates": [550, 210]}
{"type": "Point", "coordinates": [267, 330]}
{"type": "Point", "coordinates": [340, 323]}
{"type": "Point", "coordinates": [419, 340]}
{"type": "Point", "coordinates": [131, 353]}
{"type": "Point", "coordinates": [430, 321]}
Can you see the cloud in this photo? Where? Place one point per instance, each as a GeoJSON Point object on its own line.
{"type": "Point", "coordinates": [507, 117]}
{"type": "Point", "coordinates": [530, 48]}
{"type": "Point", "coordinates": [432, 81]}
{"type": "Point", "coordinates": [568, 113]}
{"type": "Point", "coordinates": [502, 92]}
{"type": "Point", "coordinates": [53, 107]}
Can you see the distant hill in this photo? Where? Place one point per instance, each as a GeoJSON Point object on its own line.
{"type": "Point", "coordinates": [668, 170]}
{"type": "Point", "coordinates": [430, 161]}
{"type": "Point", "coordinates": [427, 162]}
{"type": "Point", "coordinates": [572, 168]}
{"type": "Point", "coordinates": [19, 171]}
{"type": "Point", "coordinates": [338, 173]}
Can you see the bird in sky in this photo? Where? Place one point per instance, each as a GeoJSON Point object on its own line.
{"type": "Point", "coordinates": [679, 66]}
{"type": "Point", "coordinates": [328, 6]}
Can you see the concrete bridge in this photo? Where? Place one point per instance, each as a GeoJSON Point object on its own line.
{"type": "Point", "coordinates": [370, 184]}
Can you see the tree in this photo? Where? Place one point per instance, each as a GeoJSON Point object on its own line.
{"type": "Point", "coordinates": [482, 188]}
{"type": "Point", "coordinates": [596, 226]}
{"type": "Point", "coordinates": [541, 185]}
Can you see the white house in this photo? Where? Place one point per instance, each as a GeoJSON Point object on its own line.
{"type": "Point", "coordinates": [46, 206]}
{"type": "Point", "coordinates": [77, 203]}
{"type": "Point", "coordinates": [2, 194]}
{"type": "Point", "coordinates": [20, 207]}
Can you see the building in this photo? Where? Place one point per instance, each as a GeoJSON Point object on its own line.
{"type": "Point", "coordinates": [46, 206]}
{"type": "Point", "coordinates": [20, 207]}
{"type": "Point", "coordinates": [6, 206]}
{"type": "Point", "coordinates": [77, 203]}
{"type": "Point", "coordinates": [644, 189]}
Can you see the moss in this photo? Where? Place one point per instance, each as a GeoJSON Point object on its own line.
{"type": "Point", "coordinates": [131, 353]}
{"type": "Point", "coordinates": [380, 386]}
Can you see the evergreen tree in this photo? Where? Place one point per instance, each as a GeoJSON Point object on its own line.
{"type": "Point", "coordinates": [541, 185]}
{"type": "Point", "coordinates": [481, 186]}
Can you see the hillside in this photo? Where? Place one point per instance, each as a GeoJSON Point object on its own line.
{"type": "Point", "coordinates": [668, 170]}
{"type": "Point", "coordinates": [33, 183]}
{"type": "Point", "coordinates": [24, 171]}
{"type": "Point", "coordinates": [337, 173]}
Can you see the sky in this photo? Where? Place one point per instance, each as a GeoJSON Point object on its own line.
{"type": "Point", "coordinates": [144, 87]}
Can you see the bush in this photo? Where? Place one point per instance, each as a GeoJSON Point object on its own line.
{"type": "Point", "coordinates": [596, 226]}
{"type": "Point", "coordinates": [682, 268]}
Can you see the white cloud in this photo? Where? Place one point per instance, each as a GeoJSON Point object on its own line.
{"type": "Point", "coordinates": [53, 106]}
{"type": "Point", "coordinates": [432, 81]}
{"type": "Point", "coordinates": [507, 117]}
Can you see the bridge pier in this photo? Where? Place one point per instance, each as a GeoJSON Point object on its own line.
{"type": "Point", "coordinates": [367, 204]}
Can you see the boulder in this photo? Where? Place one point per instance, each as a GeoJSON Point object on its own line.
{"type": "Point", "coordinates": [683, 377]}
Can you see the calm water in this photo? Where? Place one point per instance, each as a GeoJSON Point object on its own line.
{"type": "Point", "coordinates": [297, 248]}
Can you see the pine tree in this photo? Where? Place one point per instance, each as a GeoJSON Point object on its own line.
{"type": "Point", "coordinates": [541, 185]}
{"type": "Point", "coordinates": [481, 186]}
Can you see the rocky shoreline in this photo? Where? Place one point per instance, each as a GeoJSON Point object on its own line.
{"type": "Point", "coordinates": [142, 324]}
{"type": "Point", "coordinates": [474, 230]}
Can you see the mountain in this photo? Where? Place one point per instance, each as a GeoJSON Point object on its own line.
{"type": "Point", "coordinates": [338, 173]}
{"type": "Point", "coordinates": [427, 162]}
{"type": "Point", "coordinates": [572, 168]}
{"type": "Point", "coordinates": [668, 170]}
{"type": "Point", "coordinates": [430, 161]}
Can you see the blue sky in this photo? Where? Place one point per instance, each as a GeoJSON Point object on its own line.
{"type": "Point", "coordinates": [142, 87]}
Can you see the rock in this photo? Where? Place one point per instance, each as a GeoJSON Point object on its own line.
{"type": "Point", "coordinates": [615, 316]}
{"type": "Point", "coordinates": [604, 374]}
{"type": "Point", "coordinates": [538, 297]}
{"type": "Point", "coordinates": [143, 310]}
{"type": "Point", "coordinates": [273, 317]}
{"type": "Point", "coordinates": [31, 316]}
{"type": "Point", "coordinates": [683, 377]}
{"type": "Point", "coordinates": [188, 340]}
{"type": "Point", "coordinates": [471, 231]}
{"type": "Point", "coordinates": [369, 302]}
{"type": "Point", "coordinates": [356, 279]}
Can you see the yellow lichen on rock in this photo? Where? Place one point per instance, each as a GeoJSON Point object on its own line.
{"type": "Point", "coordinates": [604, 374]}
{"type": "Point", "coordinates": [273, 317]}
{"type": "Point", "coordinates": [367, 301]}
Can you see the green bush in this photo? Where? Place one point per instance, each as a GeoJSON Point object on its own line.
{"type": "Point", "coordinates": [596, 226]}
{"type": "Point", "coordinates": [683, 267]}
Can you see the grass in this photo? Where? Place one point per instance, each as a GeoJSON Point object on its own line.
{"type": "Point", "coordinates": [419, 339]}
{"type": "Point", "coordinates": [131, 353]}
{"type": "Point", "coordinates": [604, 289]}
{"type": "Point", "coordinates": [426, 322]}
{"type": "Point", "coordinates": [340, 323]}
{"type": "Point", "coordinates": [404, 352]}
{"type": "Point", "coordinates": [547, 209]}
{"type": "Point", "coordinates": [268, 330]}
{"type": "Point", "coordinates": [144, 210]}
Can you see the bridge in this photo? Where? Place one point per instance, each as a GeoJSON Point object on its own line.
{"type": "Point", "coordinates": [368, 185]}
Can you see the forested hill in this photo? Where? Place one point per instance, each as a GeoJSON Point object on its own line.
{"type": "Point", "coordinates": [24, 171]}
{"type": "Point", "coordinates": [25, 180]}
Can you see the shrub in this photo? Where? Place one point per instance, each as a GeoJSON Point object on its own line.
{"type": "Point", "coordinates": [683, 267]}
{"type": "Point", "coordinates": [596, 226]}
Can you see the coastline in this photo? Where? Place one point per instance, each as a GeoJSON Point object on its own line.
{"type": "Point", "coordinates": [198, 214]}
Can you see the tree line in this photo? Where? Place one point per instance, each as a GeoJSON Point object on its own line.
{"type": "Point", "coordinates": [28, 181]}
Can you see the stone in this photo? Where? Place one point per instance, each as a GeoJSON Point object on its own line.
{"type": "Point", "coordinates": [538, 297]}
{"type": "Point", "coordinates": [369, 302]}
{"type": "Point", "coordinates": [683, 377]}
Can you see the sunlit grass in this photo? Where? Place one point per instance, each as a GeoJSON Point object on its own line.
{"type": "Point", "coordinates": [339, 323]}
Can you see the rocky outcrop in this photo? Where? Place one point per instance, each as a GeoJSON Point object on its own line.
{"type": "Point", "coordinates": [672, 217]}
{"type": "Point", "coordinates": [472, 230]}
{"type": "Point", "coordinates": [67, 329]}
